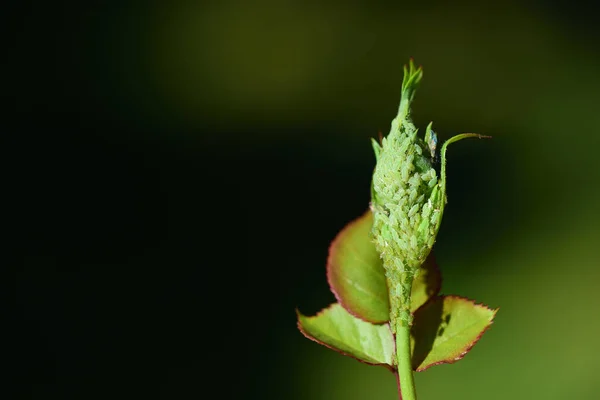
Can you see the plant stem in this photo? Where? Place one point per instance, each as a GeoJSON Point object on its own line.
{"type": "Point", "coordinates": [405, 372]}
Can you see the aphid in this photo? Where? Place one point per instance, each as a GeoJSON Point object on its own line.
{"type": "Point", "coordinates": [432, 182]}
{"type": "Point", "coordinates": [413, 210]}
{"type": "Point", "coordinates": [426, 211]}
{"type": "Point", "coordinates": [431, 141]}
{"type": "Point", "coordinates": [413, 242]}
{"type": "Point", "coordinates": [434, 217]}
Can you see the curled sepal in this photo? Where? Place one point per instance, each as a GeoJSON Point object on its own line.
{"type": "Point", "coordinates": [438, 198]}
{"type": "Point", "coordinates": [335, 328]}
{"type": "Point", "coordinates": [442, 199]}
{"type": "Point", "coordinates": [355, 272]}
{"type": "Point", "coordinates": [445, 329]}
{"type": "Point", "coordinates": [357, 279]}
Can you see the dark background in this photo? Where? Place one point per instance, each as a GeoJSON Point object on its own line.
{"type": "Point", "coordinates": [175, 172]}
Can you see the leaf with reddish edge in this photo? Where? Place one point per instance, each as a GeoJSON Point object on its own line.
{"type": "Point", "coordinates": [446, 328]}
{"type": "Point", "coordinates": [337, 329]}
{"type": "Point", "coordinates": [357, 279]}
{"type": "Point", "coordinates": [355, 272]}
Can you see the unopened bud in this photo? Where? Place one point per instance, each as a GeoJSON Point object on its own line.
{"type": "Point", "coordinates": [408, 198]}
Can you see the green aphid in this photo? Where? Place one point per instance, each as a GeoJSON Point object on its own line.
{"type": "Point", "coordinates": [431, 140]}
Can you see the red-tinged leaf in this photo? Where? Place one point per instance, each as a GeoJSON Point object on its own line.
{"type": "Point", "coordinates": [355, 272]}
{"type": "Point", "coordinates": [337, 329]}
{"type": "Point", "coordinates": [357, 278]}
{"type": "Point", "coordinates": [446, 328]}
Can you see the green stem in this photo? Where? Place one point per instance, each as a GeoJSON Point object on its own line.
{"type": "Point", "coordinates": [405, 371]}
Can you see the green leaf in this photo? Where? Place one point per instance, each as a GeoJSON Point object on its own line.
{"type": "Point", "coordinates": [357, 279]}
{"type": "Point", "coordinates": [426, 284]}
{"type": "Point", "coordinates": [446, 328]}
{"type": "Point", "coordinates": [335, 328]}
{"type": "Point", "coordinates": [355, 272]}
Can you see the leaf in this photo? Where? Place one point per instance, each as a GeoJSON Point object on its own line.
{"type": "Point", "coordinates": [357, 279]}
{"type": "Point", "coordinates": [446, 328]}
{"type": "Point", "coordinates": [427, 283]}
{"type": "Point", "coordinates": [355, 272]}
{"type": "Point", "coordinates": [337, 329]}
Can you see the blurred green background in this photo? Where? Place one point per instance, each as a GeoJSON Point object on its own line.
{"type": "Point", "coordinates": [176, 171]}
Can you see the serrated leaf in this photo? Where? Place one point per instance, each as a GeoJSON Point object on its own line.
{"type": "Point", "coordinates": [355, 272]}
{"type": "Point", "coordinates": [357, 279]}
{"type": "Point", "coordinates": [337, 329]}
{"type": "Point", "coordinates": [446, 328]}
